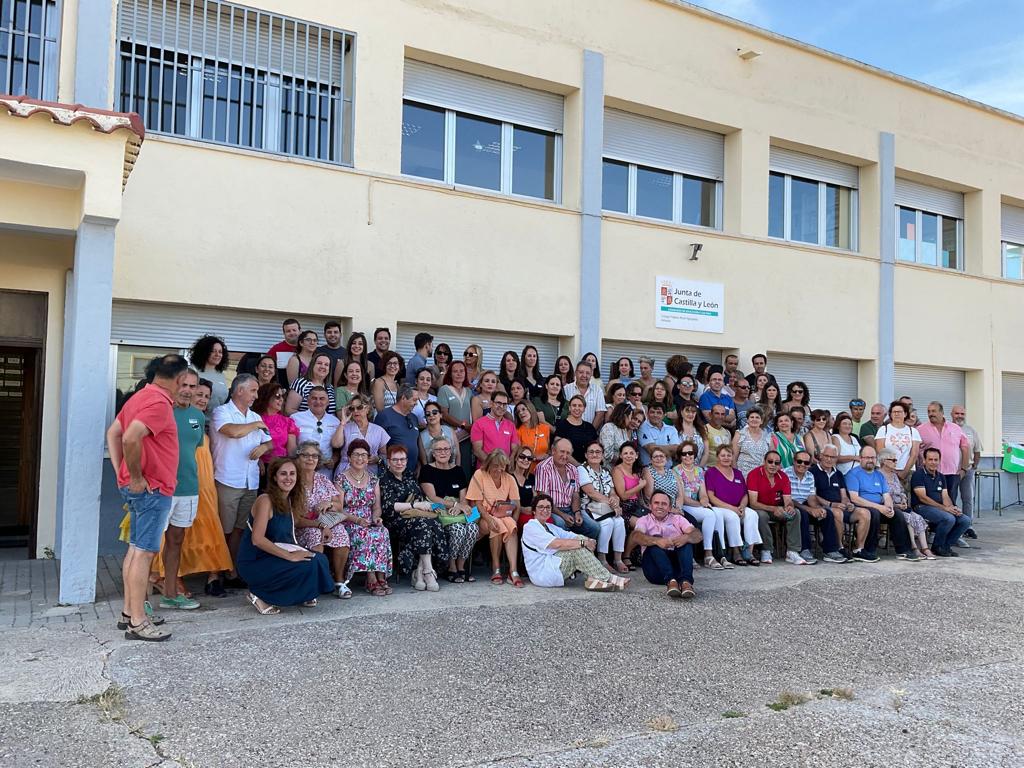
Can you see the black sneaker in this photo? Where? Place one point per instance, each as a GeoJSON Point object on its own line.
{"type": "Point", "coordinates": [865, 557]}
{"type": "Point", "coordinates": [215, 588]}
{"type": "Point", "coordinates": [944, 553]}
{"type": "Point", "coordinates": [910, 557]}
{"type": "Point", "coordinates": [970, 534]}
{"type": "Point", "coordinates": [952, 553]}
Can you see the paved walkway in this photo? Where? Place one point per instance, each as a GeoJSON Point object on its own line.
{"type": "Point", "coordinates": [476, 675]}
{"type": "Point", "coordinates": [29, 594]}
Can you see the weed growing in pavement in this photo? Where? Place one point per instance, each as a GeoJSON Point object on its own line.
{"type": "Point", "coordinates": [897, 698]}
{"type": "Point", "coordinates": [730, 713]}
{"type": "Point", "coordinates": [111, 702]}
{"type": "Point", "coordinates": [663, 723]}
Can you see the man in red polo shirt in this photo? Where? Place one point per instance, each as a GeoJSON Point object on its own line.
{"type": "Point", "coordinates": [143, 446]}
{"type": "Point", "coordinates": [771, 497]}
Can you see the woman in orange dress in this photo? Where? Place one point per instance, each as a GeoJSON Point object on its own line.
{"type": "Point", "coordinates": [495, 494]}
{"type": "Point", "coordinates": [204, 549]}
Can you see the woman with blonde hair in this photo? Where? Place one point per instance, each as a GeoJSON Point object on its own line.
{"type": "Point", "coordinates": [473, 357]}
{"type": "Point", "coordinates": [496, 496]}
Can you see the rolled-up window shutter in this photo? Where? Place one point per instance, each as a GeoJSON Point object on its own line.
{"type": "Point", "coordinates": [660, 144]}
{"type": "Point", "coordinates": [806, 166]}
{"type": "Point", "coordinates": [451, 89]}
{"type": "Point", "coordinates": [921, 197]}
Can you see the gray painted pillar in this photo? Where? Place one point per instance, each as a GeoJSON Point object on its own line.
{"type": "Point", "coordinates": [83, 409]}
{"type": "Point", "coordinates": [887, 276]}
{"type": "Point", "coordinates": [94, 53]}
{"type": "Point", "coordinates": [590, 235]}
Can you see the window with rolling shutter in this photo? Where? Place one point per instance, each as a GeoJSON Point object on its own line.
{"type": "Point", "coordinates": [494, 343]}
{"type": "Point", "coordinates": [1012, 229]}
{"type": "Point", "coordinates": [812, 199]}
{"type": "Point", "coordinates": [929, 225]}
{"type": "Point", "coordinates": [924, 384]}
{"type": "Point", "coordinates": [225, 73]}
{"type": "Point", "coordinates": [1013, 407]}
{"type": "Point", "coordinates": [832, 381]}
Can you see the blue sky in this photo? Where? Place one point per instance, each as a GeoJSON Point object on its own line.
{"type": "Point", "coordinates": [971, 47]}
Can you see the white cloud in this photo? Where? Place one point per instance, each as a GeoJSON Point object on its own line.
{"type": "Point", "coordinates": [991, 75]}
{"type": "Point", "coordinates": [750, 11]}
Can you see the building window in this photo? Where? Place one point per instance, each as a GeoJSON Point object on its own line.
{"type": "Point", "coordinates": [654, 193]}
{"type": "Point", "coordinates": [1013, 261]}
{"type": "Point", "coordinates": [809, 211]}
{"type": "Point", "coordinates": [472, 151]}
{"type": "Point", "coordinates": [231, 75]}
{"type": "Point", "coordinates": [928, 238]}
{"type": "Point", "coordinates": [29, 44]}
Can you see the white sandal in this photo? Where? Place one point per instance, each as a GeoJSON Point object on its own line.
{"type": "Point", "coordinates": [266, 610]}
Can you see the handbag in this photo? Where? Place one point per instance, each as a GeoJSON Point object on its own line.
{"type": "Point", "coordinates": [330, 518]}
{"type": "Point", "coordinates": [599, 510]}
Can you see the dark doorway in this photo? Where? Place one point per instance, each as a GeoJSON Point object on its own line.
{"type": "Point", "coordinates": [19, 453]}
{"type": "Point", "coordinates": [22, 334]}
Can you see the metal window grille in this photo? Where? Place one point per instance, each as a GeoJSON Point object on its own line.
{"type": "Point", "coordinates": [29, 47]}
{"type": "Point", "coordinates": [232, 75]}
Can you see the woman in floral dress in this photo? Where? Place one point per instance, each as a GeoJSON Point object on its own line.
{"type": "Point", "coordinates": [315, 528]}
{"type": "Point", "coordinates": [371, 543]}
{"type": "Point", "coordinates": [412, 519]}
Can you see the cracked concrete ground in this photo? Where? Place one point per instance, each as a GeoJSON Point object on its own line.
{"type": "Point", "coordinates": [481, 675]}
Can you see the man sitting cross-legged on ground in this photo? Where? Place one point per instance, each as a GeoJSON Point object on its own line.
{"type": "Point", "coordinates": [552, 554]}
{"type": "Point", "coordinates": [667, 540]}
{"type": "Point", "coordinates": [869, 491]}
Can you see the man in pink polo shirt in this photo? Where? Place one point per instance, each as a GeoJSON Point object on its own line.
{"type": "Point", "coordinates": [143, 446]}
{"type": "Point", "coordinates": [495, 430]}
{"type": "Point", "coordinates": [954, 447]}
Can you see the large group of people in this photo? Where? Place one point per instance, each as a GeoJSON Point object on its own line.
{"type": "Point", "coordinates": [317, 464]}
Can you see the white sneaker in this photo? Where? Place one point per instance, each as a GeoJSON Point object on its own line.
{"type": "Point", "coordinates": [961, 542]}
{"type": "Point", "coordinates": [794, 559]}
{"type": "Point", "coordinates": [766, 557]}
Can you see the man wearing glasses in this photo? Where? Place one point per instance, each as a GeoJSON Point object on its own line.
{"type": "Point", "coordinates": [741, 400]}
{"type": "Point", "coordinates": [495, 430]}
{"type": "Point", "coordinates": [869, 491]}
{"type": "Point", "coordinates": [770, 495]}
{"type": "Point", "coordinates": [831, 495]}
{"type": "Point", "coordinates": [802, 481]}
{"type": "Point", "coordinates": [318, 425]}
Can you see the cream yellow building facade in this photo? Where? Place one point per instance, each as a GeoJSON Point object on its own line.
{"type": "Point", "coordinates": [653, 99]}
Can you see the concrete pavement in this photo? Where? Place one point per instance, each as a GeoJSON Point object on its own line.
{"type": "Point", "coordinates": [481, 675]}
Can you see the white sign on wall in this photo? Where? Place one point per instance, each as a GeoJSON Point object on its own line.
{"type": "Point", "coordinates": [687, 305]}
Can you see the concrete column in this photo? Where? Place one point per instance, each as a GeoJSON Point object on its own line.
{"type": "Point", "coordinates": [83, 408]}
{"type": "Point", "coordinates": [745, 204]}
{"type": "Point", "coordinates": [887, 267]}
{"type": "Point", "coordinates": [983, 254]}
{"type": "Point", "coordinates": [94, 54]}
{"type": "Point", "coordinates": [591, 177]}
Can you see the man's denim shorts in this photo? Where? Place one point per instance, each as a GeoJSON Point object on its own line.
{"type": "Point", "coordinates": [149, 512]}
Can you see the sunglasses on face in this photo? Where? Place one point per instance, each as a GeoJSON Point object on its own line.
{"type": "Point", "coordinates": [470, 354]}
{"type": "Point", "coordinates": [801, 462]}
{"type": "Point", "coordinates": [687, 453]}
{"type": "Point", "coordinates": [798, 391]}
{"type": "Point", "coordinates": [525, 457]}
{"type": "Point", "coordinates": [432, 413]}
{"type": "Point", "coordinates": [772, 462]}
{"type": "Point", "coordinates": [279, 396]}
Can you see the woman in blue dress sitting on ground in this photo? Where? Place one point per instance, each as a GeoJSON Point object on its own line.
{"type": "Point", "coordinates": [278, 571]}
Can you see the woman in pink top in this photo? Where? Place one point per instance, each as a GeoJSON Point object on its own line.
{"type": "Point", "coordinates": [283, 431]}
